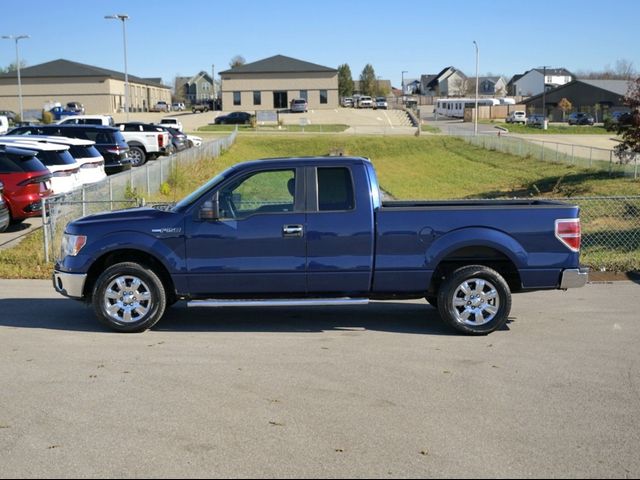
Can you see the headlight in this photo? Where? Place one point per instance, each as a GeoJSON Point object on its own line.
{"type": "Point", "coordinates": [72, 244]}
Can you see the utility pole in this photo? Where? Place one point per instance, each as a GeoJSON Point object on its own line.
{"type": "Point", "coordinates": [16, 38]}
{"type": "Point", "coordinates": [475, 122]}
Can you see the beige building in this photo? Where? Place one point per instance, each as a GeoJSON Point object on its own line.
{"type": "Point", "coordinates": [272, 83]}
{"type": "Point", "coordinates": [101, 91]}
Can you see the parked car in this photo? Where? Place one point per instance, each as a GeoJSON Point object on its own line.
{"type": "Point", "coordinates": [517, 116]}
{"type": "Point", "coordinates": [233, 118]}
{"type": "Point", "coordinates": [83, 151]}
{"type": "Point", "coordinates": [381, 103]}
{"type": "Point", "coordinates": [106, 120]}
{"type": "Point", "coordinates": [194, 141]}
{"type": "Point", "coordinates": [26, 182]}
{"type": "Point", "coordinates": [177, 106]}
{"type": "Point", "coordinates": [76, 107]}
{"type": "Point", "coordinates": [314, 231]}
{"type": "Point", "coordinates": [4, 211]}
{"type": "Point", "coordinates": [10, 114]}
{"type": "Point", "coordinates": [171, 122]}
{"type": "Point", "coordinates": [4, 124]}
{"type": "Point", "coordinates": [65, 170]}
{"type": "Point", "coordinates": [146, 141]}
{"type": "Point", "coordinates": [365, 102]}
{"type": "Point", "coordinates": [581, 118]}
{"type": "Point", "coordinates": [200, 107]}
{"type": "Point", "coordinates": [298, 105]}
{"type": "Point", "coordinates": [347, 102]}
{"type": "Point", "coordinates": [535, 120]}
{"type": "Point", "coordinates": [177, 139]}
{"type": "Point", "coordinates": [109, 141]}
{"type": "Point", "coordinates": [161, 106]}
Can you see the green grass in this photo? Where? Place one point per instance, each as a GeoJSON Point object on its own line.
{"type": "Point", "coordinates": [426, 167]}
{"type": "Point", "coordinates": [430, 128]}
{"type": "Point", "coordinates": [313, 128]}
{"type": "Point", "coordinates": [553, 129]}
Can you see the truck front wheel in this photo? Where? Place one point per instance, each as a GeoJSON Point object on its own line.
{"type": "Point", "coordinates": [129, 298]}
{"type": "Point", "coordinates": [475, 300]}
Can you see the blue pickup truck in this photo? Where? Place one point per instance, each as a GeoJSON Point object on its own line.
{"type": "Point", "coordinates": [315, 231]}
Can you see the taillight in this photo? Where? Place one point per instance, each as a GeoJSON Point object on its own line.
{"type": "Point", "coordinates": [568, 232]}
{"type": "Point", "coordinates": [160, 140]}
{"type": "Point", "coordinates": [34, 180]}
{"type": "Point", "coordinates": [65, 173]}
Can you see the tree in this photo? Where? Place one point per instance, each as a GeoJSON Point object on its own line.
{"type": "Point", "coordinates": [628, 126]}
{"type": "Point", "coordinates": [12, 67]}
{"type": "Point", "coordinates": [237, 61]}
{"type": "Point", "coordinates": [564, 105]}
{"type": "Point", "coordinates": [368, 81]}
{"type": "Point", "coordinates": [345, 81]}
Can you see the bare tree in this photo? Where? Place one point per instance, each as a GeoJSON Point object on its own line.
{"type": "Point", "coordinates": [237, 61]}
{"type": "Point", "coordinates": [628, 126]}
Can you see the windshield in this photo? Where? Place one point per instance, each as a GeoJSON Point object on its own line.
{"type": "Point", "coordinates": [193, 196]}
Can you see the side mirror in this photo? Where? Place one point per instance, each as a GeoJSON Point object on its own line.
{"type": "Point", "coordinates": [210, 209]}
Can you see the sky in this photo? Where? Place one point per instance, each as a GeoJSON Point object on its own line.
{"type": "Point", "coordinates": [170, 38]}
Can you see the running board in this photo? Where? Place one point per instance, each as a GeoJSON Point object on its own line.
{"type": "Point", "coordinates": [294, 302]}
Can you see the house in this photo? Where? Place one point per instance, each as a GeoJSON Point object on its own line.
{"type": "Point", "coordinates": [271, 83]}
{"type": "Point", "coordinates": [411, 86]}
{"type": "Point", "coordinates": [449, 82]}
{"type": "Point", "coordinates": [598, 97]}
{"type": "Point", "coordinates": [195, 89]}
{"type": "Point", "coordinates": [491, 86]}
{"type": "Point", "coordinates": [532, 82]}
{"type": "Point", "coordinates": [98, 89]}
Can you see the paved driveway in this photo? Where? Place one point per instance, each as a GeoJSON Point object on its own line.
{"type": "Point", "coordinates": [378, 391]}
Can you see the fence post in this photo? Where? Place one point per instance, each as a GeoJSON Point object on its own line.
{"type": "Point", "coordinates": [45, 229]}
{"type": "Point", "coordinates": [110, 195]}
{"type": "Point", "coordinates": [148, 180]}
{"type": "Point", "coordinates": [84, 202]}
{"type": "Point", "coordinates": [610, 161]}
{"type": "Point", "coordinates": [590, 156]}
{"type": "Point", "coordinates": [542, 152]}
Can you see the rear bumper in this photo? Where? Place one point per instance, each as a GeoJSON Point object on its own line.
{"type": "Point", "coordinates": [69, 284]}
{"type": "Point", "coordinates": [574, 278]}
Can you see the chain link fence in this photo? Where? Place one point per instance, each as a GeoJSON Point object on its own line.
{"type": "Point", "coordinates": [579, 155]}
{"type": "Point", "coordinates": [122, 190]}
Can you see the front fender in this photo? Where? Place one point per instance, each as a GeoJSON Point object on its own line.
{"type": "Point", "coordinates": [169, 251]}
{"type": "Point", "coordinates": [475, 237]}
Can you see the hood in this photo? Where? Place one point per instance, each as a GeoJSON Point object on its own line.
{"type": "Point", "coordinates": [142, 219]}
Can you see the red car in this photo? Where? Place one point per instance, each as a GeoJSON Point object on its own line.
{"type": "Point", "coordinates": [26, 181]}
{"type": "Point", "coordinates": [4, 211]}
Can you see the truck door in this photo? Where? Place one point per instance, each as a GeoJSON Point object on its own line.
{"type": "Point", "coordinates": [257, 245]}
{"type": "Point", "coordinates": [340, 231]}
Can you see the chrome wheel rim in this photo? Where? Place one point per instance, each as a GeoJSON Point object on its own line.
{"type": "Point", "coordinates": [127, 299]}
{"type": "Point", "coordinates": [475, 302]}
{"type": "Point", "coordinates": [136, 157]}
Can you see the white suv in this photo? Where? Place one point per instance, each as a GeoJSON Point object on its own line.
{"type": "Point", "coordinates": [365, 102]}
{"type": "Point", "coordinates": [518, 116]}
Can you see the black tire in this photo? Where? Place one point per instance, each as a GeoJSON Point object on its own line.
{"type": "Point", "coordinates": [485, 305]}
{"type": "Point", "coordinates": [432, 300]}
{"type": "Point", "coordinates": [129, 297]}
{"type": "Point", "coordinates": [137, 156]}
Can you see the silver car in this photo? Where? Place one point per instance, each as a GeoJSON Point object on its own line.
{"type": "Point", "coordinates": [298, 105]}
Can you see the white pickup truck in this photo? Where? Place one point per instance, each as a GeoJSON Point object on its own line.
{"type": "Point", "coordinates": [171, 122]}
{"type": "Point", "coordinates": [145, 141]}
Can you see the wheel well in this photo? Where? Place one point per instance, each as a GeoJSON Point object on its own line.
{"type": "Point", "coordinates": [128, 255]}
{"type": "Point", "coordinates": [139, 145]}
{"type": "Point", "coordinates": [486, 256]}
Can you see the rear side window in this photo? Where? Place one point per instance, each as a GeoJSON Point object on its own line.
{"type": "Point", "coordinates": [335, 189]}
{"type": "Point", "coordinates": [10, 163]}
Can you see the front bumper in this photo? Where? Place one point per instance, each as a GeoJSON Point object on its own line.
{"type": "Point", "coordinates": [574, 278]}
{"type": "Point", "coordinates": [69, 284]}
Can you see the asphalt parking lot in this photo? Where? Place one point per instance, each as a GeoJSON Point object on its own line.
{"type": "Point", "coordinates": [384, 390]}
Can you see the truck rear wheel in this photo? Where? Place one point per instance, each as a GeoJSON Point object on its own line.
{"type": "Point", "coordinates": [128, 297]}
{"type": "Point", "coordinates": [475, 300]}
{"type": "Point", "coordinates": [137, 155]}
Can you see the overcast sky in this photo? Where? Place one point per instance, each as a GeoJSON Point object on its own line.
{"type": "Point", "coordinates": [169, 38]}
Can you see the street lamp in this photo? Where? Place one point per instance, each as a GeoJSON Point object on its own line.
{"type": "Point", "coordinates": [475, 123]}
{"type": "Point", "coordinates": [403, 72]}
{"type": "Point", "coordinates": [123, 17]}
{"type": "Point", "coordinates": [544, 95]}
{"type": "Point", "coordinates": [16, 38]}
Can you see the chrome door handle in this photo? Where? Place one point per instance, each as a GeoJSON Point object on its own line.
{"type": "Point", "coordinates": [292, 231]}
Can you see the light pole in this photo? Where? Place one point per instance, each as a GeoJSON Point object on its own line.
{"type": "Point", "coordinates": [544, 97]}
{"type": "Point", "coordinates": [403, 72]}
{"type": "Point", "coordinates": [16, 38]}
{"type": "Point", "coordinates": [475, 121]}
{"type": "Point", "coordinates": [123, 17]}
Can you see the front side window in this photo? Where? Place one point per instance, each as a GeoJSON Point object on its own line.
{"type": "Point", "coordinates": [263, 192]}
{"type": "Point", "coordinates": [335, 189]}
{"type": "Point", "coordinates": [237, 98]}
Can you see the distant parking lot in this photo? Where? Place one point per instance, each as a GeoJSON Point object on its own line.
{"type": "Point", "coordinates": [375, 391]}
